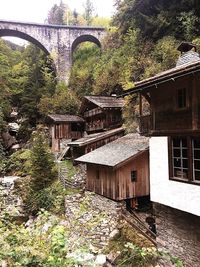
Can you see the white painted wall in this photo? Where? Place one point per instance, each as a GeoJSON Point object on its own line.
{"type": "Point", "coordinates": [182, 196]}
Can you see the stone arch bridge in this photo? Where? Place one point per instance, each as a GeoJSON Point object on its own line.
{"type": "Point", "coordinates": [56, 40]}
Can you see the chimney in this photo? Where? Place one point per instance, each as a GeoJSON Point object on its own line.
{"type": "Point", "coordinates": [188, 53]}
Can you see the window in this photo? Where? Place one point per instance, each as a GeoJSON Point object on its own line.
{"type": "Point", "coordinates": [185, 159]}
{"type": "Point", "coordinates": [180, 158]}
{"type": "Point", "coordinates": [133, 176]}
{"type": "Point", "coordinates": [181, 98]}
{"type": "Point", "coordinates": [196, 158]}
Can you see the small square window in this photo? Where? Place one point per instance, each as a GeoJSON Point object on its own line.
{"type": "Point", "coordinates": [133, 176]}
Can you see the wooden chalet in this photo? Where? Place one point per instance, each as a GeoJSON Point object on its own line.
{"type": "Point", "coordinates": [170, 115]}
{"type": "Point", "coordinates": [169, 101]}
{"type": "Point", "coordinates": [91, 142]}
{"type": "Point", "coordinates": [120, 169]}
{"type": "Point", "coordinates": [101, 112]}
{"type": "Point", "coordinates": [64, 128]}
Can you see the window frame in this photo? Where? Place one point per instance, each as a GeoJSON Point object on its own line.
{"type": "Point", "coordinates": [186, 106]}
{"type": "Point", "coordinates": [190, 149]}
{"type": "Point", "coordinates": [134, 175]}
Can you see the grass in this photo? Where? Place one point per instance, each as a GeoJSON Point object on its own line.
{"type": "Point", "coordinates": [71, 170]}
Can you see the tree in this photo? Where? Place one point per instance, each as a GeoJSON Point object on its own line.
{"type": "Point", "coordinates": [81, 78]}
{"type": "Point", "coordinates": [43, 173]}
{"type": "Point", "coordinates": [62, 101]}
{"type": "Point", "coordinates": [38, 81]}
{"type": "Point", "coordinates": [157, 18]}
{"type": "Point", "coordinates": [56, 14]}
{"type": "Point", "coordinates": [89, 8]}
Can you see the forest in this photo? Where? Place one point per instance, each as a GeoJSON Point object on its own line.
{"type": "Point", "coordinates": [141, 41]}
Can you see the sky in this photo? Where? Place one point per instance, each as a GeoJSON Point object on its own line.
{"type": "Point", "coordinates": [37, 10]}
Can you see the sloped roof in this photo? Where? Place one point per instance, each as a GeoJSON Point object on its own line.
{"type": "Point", "coordinates": [104, 101]}
{"type": "Point", "coordinates": [117, 152]}
{"type": "Point", "coordinates": [171, 74]}
{"type": "Point", "coordinates": [91, 138]}
{"type": "Point", "coordinates": [65, 118]}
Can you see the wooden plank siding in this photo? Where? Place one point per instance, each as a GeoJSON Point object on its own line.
{"type": "Point", "coordinates": [166, 117]}
{"type": "Point", "coordinates": [106, 119]}
{"type": "Point", "coordinates": [101, 180]}
{"type": "Point", "coordinates": [116, 183]}
{"type": "Point", "coordinates": [129, 189]}
{"type": "Point", "coordinates": [60, 132]}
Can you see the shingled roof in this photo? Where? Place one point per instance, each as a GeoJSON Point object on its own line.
{"type": "Point", "coordinates": [117, 152]}
{"type": "Point", "coordinates": [65, 118]}
{"type": "Point", "coordinates": [187, 63]}
{"type": "Point", "coordinates": [103, 102]}
{"type": "Point", "coordinates": [91, 138]}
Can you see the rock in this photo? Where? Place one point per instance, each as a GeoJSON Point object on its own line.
{"type": "Point", "coordinates": [93, 249]}
{"type": "Point", "coordinates": [100, 260]}
{"type": "Point", "coordinates": [46, 227]}
{"type": "Point", "coordinates": [112, 256]}
{"type": "Point", "coordinates": [115, 233]}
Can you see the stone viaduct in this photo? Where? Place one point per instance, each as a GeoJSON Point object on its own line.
{"type": "Point", "coordinates": [56, 40]}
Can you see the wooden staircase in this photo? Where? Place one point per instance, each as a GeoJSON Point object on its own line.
{"type": "Point", "coordinates": [132, 218]}
{"type": "Point", "coordinates": [63, 153]}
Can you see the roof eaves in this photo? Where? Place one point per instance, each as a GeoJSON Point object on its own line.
{"type": "Point", "coordinates": [118, 165]}
{"type": "Point", "coordinates": [158, 79]}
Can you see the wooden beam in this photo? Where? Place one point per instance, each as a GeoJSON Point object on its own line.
{"type": "Point", "coordinates": [147, 97]}
{"type": "Point", "coordinates": [195, 103]}
{"type": "Point", "coordinates": [140, 104]}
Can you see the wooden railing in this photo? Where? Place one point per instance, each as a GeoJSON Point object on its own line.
{"type": "Point", "coordinates": [145, 124]}
{"type": "Point", "coordinates": [95, 127]}
{"type": "Point", "coordinates": [76, 135]}
{"type": "Point", "coordinates": [92, 112]}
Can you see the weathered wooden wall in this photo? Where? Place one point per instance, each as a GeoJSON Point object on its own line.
{"type": "Point", "coordinates": [117, 184]}
{"type": "Point", "coordinates": [166, 118]}
{"type": "Point", "coordinates": [129, 189]}
{"type": "Point", "coordinates": [62, 131]}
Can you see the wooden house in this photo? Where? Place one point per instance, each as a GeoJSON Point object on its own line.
{"type": "Point", "coordinates": [120, 169]}
{"type": "Point", "coordinates": [63, 129]}
{"type": "Point", "coordinates": [91, 142]}
{"type": "Point", "coordinates": [171, 102]}
{"type": "Point", "coordinates": [101, 112]}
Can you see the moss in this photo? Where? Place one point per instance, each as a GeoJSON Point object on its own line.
{"type": "Point", "coordinates": [136, 254]}
{"type": "Point", "coordinates": [71, 170]}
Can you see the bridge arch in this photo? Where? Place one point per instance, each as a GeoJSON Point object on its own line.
{"type": "Point", "coordinates": [84, 38]}
{"type": "Point", "coordinates": [24, 36]}
{"type": "Point", "coordinates": [57, 40]}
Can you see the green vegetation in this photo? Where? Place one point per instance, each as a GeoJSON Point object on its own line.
{"type": "Point", "coordinates": [44, 244]}
{"type": "Point", "coordinates": [141, 41]}
{"type": "Point", "coordinates": [132, 250]}
{"type": "Point", "coordinates": [71, 170]}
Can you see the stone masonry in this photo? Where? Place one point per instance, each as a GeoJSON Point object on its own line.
{"type": "Point", "coordinates": [179, 233]}
{"type": "Point", "coordinates": [93, 219]}
{"type": "Point", "coordinates": [57, 40]}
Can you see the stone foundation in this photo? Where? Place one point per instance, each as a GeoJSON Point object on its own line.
{"type": "Point", "coordinates": [179, 233]}
{"type": "Point", "coordinates": [93, 218]}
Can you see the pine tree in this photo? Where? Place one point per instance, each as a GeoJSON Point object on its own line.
{"type": "Point", "coordinates": [43, 169]}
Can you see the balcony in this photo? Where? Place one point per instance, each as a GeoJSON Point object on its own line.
{"type": "Point", "coordinates": [145, 124]}
{"type": "Point", "coordinates": [94, 127]}
{"type": "Point", "coordinates": [92, 112]}
{"type": "Point", "coordinates": [76, 135]}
